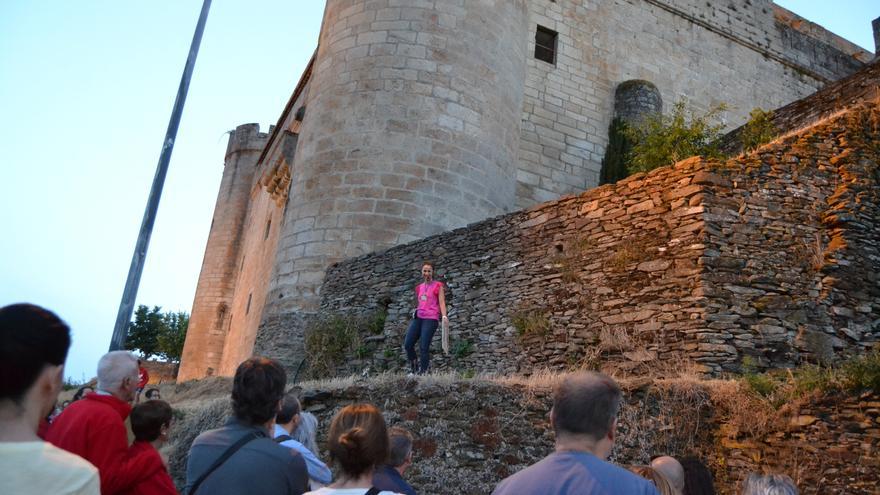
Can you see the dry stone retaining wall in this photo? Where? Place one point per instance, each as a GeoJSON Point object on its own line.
{"type": "Point", "coordinates": [771, 255]}
{"type": "Point", "coordinates": [792, 264]}
{"type": "Point", "coordinates": [470, 434]}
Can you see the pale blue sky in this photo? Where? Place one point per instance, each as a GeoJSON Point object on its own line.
{"type": "Point", "coordinates": [86, 89]}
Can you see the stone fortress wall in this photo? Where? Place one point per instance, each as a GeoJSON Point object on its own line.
{"type": "Point", "coordinates": [411, 131]}
{"type": "Point", "coordinates": [218, 279]}
{"type": "Point", "coordinates": [417, 117]}
{"type": "Point", "coordinates": [743, 53]}
{"type": "Point", "coordinates": [772, 255]}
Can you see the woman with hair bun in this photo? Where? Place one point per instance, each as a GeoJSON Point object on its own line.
{"type": "Point", "coordinates": [358, 441]}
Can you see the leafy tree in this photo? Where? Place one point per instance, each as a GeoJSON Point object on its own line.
{"type": "Point", "coordinates": [661, 140]}
{"type": "Point", "coordinates": [174, 335]}
{"type": "Point", "coordinates": [153, 333]}
{"type": "Point", "coordinates": [143, 332]}
{"type": "Point", "coordinates": [758, 130]}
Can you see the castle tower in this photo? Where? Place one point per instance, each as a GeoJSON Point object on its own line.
{"type": "Point", "coordinates": [211, 312]}
{"type": "Point", "coordinates": [411, 129]}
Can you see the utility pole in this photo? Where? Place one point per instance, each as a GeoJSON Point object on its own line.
{"type": "Point", "coordinates": [126, 306]}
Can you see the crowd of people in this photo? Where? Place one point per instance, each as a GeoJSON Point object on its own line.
{"type": "Point", "coordinates": [268, 445]}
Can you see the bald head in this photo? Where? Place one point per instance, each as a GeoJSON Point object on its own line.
{"type": "Point", "coordinates": [671, 470]}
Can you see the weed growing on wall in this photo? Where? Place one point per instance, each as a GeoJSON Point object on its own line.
{"type": "Point", "coordinates": [758, 130]}
{"type": "Point", "coordinates": [332, 339]}
{"type": "Point", "coordinates": [462, 348]}
{"type": "Point", "coordinates": [661, 140]}
{"type": "Point", "coordinates": [530, 321]}
{"type": "Point", "coordinates": [328, 341]}
{"type": "Point", "coordinates": [779, 387]}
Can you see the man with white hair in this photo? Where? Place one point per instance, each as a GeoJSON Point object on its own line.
{"type": "Point", "coordinates": [94, 428]}
{"type": "Point", "coordinates": [769, 484]}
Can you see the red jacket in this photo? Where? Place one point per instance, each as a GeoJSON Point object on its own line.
{"type": "Point", "coordinates": [158, 482]}
{"type": "Point", "coordinates": [94, 429]}
{"type": "Point", "coordinates": [143, 377]}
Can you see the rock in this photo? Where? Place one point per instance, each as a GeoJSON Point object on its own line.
{"type": "Point", "coordinates": [654, 265]}
{"type": "Point", "coordinates": [803, 420]}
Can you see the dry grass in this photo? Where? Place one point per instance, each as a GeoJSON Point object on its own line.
{"type": "Point", "coordinates": [629, 252]}
{"type": "Point", "coordinates": [530, 322]}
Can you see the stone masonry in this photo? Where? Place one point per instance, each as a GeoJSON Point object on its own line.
{"type": "Point", "coordinates": [772, 255]}
{"type": "Point", "coordinates": [470, 434]}
{"type": "Point", "coordinates": [211, 315]}
{"type": "Point", "coordinates": [415, 117]}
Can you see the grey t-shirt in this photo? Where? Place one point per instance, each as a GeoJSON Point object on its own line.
{"type": "Point", "coordinates": [574, 473]}
{"type": "Point", "coordinates": [260, 467]}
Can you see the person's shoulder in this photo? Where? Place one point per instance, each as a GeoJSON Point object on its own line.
{"type": "Point", "coordinates": [513, 484]}
{"type": "Point", "coordinates": [612, 474]}
{"type": "Point", "coordinates": [221, 436]}
{"type": "Point", "coordinates": [279, 452]}
{"type": "Point", "coordinates": [59, 455]}
{"type": "Point", "coordinates": [80, 474]}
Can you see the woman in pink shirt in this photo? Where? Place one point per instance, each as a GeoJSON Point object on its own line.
{"type": "Point", "coordinates": [431, 307]}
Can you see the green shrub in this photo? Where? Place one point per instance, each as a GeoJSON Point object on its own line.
{"type": "Point", "coordinates": [376, 321]}
{"type": "Point", "coordinates": [758, 130]}
{"type": "Point", "coordinates": [779, 387]}
{"type": "Point", "coordinates": [462, 348]}
{"type": "Point", "coordinates": [760, 383]}
{"type": "Point", "coordinates": [614, 164]}
{"type": "Point", "coordinates": [329, 340]}
{"type": "Point", "coordinates": [862, 372]}
{"type": "Point", "coordinates": [661, 140]}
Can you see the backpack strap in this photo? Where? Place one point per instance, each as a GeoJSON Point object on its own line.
{"type": "Point", "coordinates": [373, 491]}
{"type": "Point", "coordinates": [226, 455]}
{"type": "Point", "coordinates": [282, 438]}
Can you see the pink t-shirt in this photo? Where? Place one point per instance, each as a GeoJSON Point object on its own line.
{"type": "Point", "coordinates": [429, 300]}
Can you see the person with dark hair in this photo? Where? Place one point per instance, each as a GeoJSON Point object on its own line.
{"type": "Point", "coordinates": [286, 421]}
{"type": "Point", "coordinates": [697, 477]}
{"type": "Point", "coordinates": [143, 380]}
{"type": "Point", "coordinates": [82, 392]}
{"type": "Point", "coordinates": [240, 457]}
{"type": "Point", "coordinates": [150, 423]}
{"type": "Point", "coordinates": [584, 418]}
{"type": "Point", "coordinates": [33, 347]}
{"type": "Point", "coordinates": [430, 310]}
{"type": "Point", "coordinates": [389, 476]}
{"type": "Point", "coordinates": [358, 441]}
{"type": "Point", "coordinates": [152, 394]}
{"type": "Point", "coordinates": [94, 427]}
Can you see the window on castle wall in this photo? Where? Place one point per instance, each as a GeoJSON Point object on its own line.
{"type": "Point", "coordinates": [545, 44]}
{"type": "Point", "coordinates": [268, 226]}
{"type": "Point", "coordinates": [248, 308]}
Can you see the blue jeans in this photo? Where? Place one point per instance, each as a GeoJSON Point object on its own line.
{"type": "Point", "coordinates": [421, 331]}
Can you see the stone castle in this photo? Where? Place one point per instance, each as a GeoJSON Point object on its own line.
{"type": "Point", "coordinates": [417, 117]}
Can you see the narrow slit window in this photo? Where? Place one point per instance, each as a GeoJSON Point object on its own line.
{"type": "Point", "coordinates": [248, 309]}
{"type": "Point", "coordinates": [545, 45]}
{"type": "Point", "coordinates": [268, 226]}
